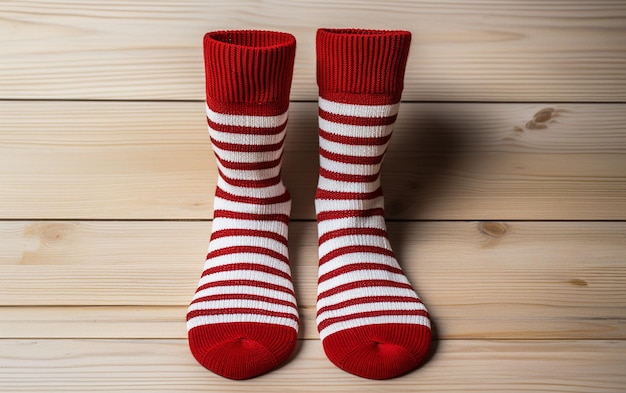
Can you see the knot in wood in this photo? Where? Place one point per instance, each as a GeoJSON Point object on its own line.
{"type": "Point", "coordinates": [493, 229]}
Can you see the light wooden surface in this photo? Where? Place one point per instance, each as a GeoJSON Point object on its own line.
{"type": "Point", "coordinates": [152, 160]}
{"type": "Point", "coordinates": [496, 50]}
{"type": "Point", "coordinates": [505, 186]}
{"type": "Point", "coordinates": [457, 366]}
{"type": "Point", "coordinates": [500, 280]}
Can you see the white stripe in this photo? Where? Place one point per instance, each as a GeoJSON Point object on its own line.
{"type": "Point", "coordinates": [360, 275]}
{"type": "Point", "coordinates": [325, 205]}
{"type": "Point", "coordinates": [369, 307]}
{"type": "Point", "coordinates": [356, 293]}
{"type": "Point", "coordinates": [254, 241]}
{"type": "Point", "coordinates": [254, 192]}
{"type": "Point", "coordinates": [358, 110]}
{"type": "Point", "coordinates": [357, 257]}
{"type": "Point", "coordinates": [350, 169]}
{"type": "Point", "coordinates": [245, 290]}
{"type": "Point", "coordinates": [252, 275]}
{"type": "Point", "coordinates": [232, 318]}
{"type": "Point", "coordinates": [247, 257]}
{"type": "Point", "coordinates": [246, 139]}
{"type": "Point", "coordinates": [242, 303]}
{"type": "Point", "coordinates": [220, 223]}
{"type": "Point", "coordinates": [354, 130]}
{"type": "Point", "coordinates": [246, 120]}
{"type": "Point", "coordinates": [247, 157]}
{"type": "Point", "coordinates": [404, 319]}
{"type": "Point", "coordinates": [347, 186]}
{"type": "Point", "coordinates": [374, 221]}
{"type": "Point", "coordinates": [354, 240]}
{"type": "Point", "coordinates": [352, 150]}
{"type": "Point", "coordinates": [252, 208]}
{"type": "Point", "coordinates": [250, 174]}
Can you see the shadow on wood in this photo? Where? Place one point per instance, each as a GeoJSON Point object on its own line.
{"type": "Point", "coordinates": [427, 155]}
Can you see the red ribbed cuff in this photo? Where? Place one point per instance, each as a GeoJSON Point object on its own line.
{"type": "Point", "coordinates": [362, 66]}
{"type": "Point", "coordinates": [248, 71]}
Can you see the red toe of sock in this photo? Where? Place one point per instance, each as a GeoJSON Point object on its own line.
{"type": "Point", "coordinates": [239, 358]}
{"type": "Point", "coordinates": [242, 350]}
{"type": "Point", "coordinates": [379, 351]}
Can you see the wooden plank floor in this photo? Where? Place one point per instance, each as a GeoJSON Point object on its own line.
{"type": "Point", "coordinates": [505, 189]}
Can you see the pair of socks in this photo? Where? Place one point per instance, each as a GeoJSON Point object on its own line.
{"type": "Point", "coordinates": [243, 319]}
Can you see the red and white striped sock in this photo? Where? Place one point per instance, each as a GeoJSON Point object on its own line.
{"type": "Point", "coordinates": [243, 319]}
{"type": "Point", "coordinates": [371, 321]}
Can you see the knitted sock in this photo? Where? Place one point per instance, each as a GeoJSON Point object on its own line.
{"type": "Point", "coordinates": [243, 320]}
{"type": "Point", "coordinates": [371, 321]}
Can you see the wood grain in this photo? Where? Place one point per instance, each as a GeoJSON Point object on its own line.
{"type": "Point", "coordinates": [94, 322]}
{"type": "Point", "coordinates": [167, 366]}
{"type": "Point", "coordinates": [499, 280]}
{"type": "Point", "coordinates": [462, 50]}
{"type": "Point", "coordinates": [152, 160]}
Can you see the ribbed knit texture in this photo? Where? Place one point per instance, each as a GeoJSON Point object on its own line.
{"type": "Point", "coordinates": [362, 66]}
{"type": "Point", "coordinates": [371, 321]}
{"type": "Point", "coordinates": [249, 71]}
{"type": "Point", "coordinates": [243, 319]}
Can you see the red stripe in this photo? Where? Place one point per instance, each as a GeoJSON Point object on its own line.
{"type": "Point", "coordinates": [248, 249]}
{"type": "Point", "coordinates": [246, 283]}
{"type": "Point", "coordinates": [256, 311]}
{"type": "Point", "coordinates": [244, 296]}
{"type": "Point", "coordinates": [327, 322]}
{"type": "Point", "coordinates": [359, 266]}
{"type": "Point", "coordinates": [246, 266]}
{"type": "Point", "coordinates": [247, 148]}
{"type": "Point", "coordinates": [335, 214]}
{"type": "Point", "coordinates": [363, 284]}
{"type": "Point", "coordinates": [354, 141]}
{"type": "Point", "coordinates": [341, 195]}
{"type": "Point", "coordinates": [348, 177]}
{"type": "Point", "coordinates": [368, 300]}
{"type": "Point", "coordinates": [357, 120]}
{"type": "Point", "coordinates": [351, 232]}
{"type": "Point", "coordinates": [354, 249]}
{"type": "Point", "coordinates": [272, 181]}
{"type": "Point", "coordinates": [248, 165]}
{"type": "Point", "coordinates": [249, 232]}
{"type": "Point", "coordinates": [284, 197]}
{"type": "Point", "coordinates": [284, 218]}
{"type": "Point", "coordinates": [240, 130]}
{"type": "Point", "coordinates": [347, 159]}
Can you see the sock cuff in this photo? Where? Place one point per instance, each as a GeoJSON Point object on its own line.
{"type": "Point", "coordinates": [352, 63]}
{"type": "Point", "coordinates": [249, 71]}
